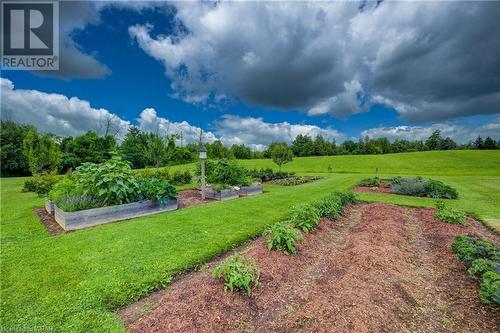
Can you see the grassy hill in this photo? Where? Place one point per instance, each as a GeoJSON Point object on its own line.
{"type": "Point", "coordinates": [75, 282]}
{"type": "Point", "coordinates": [459, 162]}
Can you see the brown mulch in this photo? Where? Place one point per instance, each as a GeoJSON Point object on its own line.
{"type": "Point", "coordinates": [380, 189]}
{"type": "Point", "coordinates": [379, 268]}
{"type": "Point", "coordinates": [48, 221]}
{"type": "Point", "coordinates": [189, 198]}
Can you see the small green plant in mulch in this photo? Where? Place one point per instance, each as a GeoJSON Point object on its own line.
{"type": "Point", "coordinates": [239, 273]}
{"type": "Point", "coordinates": [282, 236]}
{"type": "Point", "coordinates": [483, 259]}
{"type": "Point", "coordinates": [449, 215]}
{"type": "Point", "coordinates": [305, 217]}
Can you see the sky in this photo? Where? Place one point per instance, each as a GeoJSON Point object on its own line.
{"type": "Point", "coordinates": [259, 72]}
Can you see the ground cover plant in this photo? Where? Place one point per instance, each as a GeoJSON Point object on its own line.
{"type": "Point", "coordinates": [449, 215]}
{"type": "Point", "coordinates": [304, 217]}
{"type": "Point", "coordinates": [127, 260]}
{"type": "Point", "coordinates": [482, 257]}
{"type": "Point", "coordinates": [238, 273]}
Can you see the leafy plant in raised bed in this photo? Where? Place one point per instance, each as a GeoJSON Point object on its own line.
{"type": "Point", "coordinates": [449, 215]}
{"type": "Point", "coordinates": [110, 183]}
{"type": "Point", "coordinates": [154, 189]}
{"type": "Point", "coordinates": [282, 236]}
{"type": "Point", "coordinates": [305, 217]}
{"type": "Point", "coordinates": [238, 272]}
{"type": "Point", "coordinates": [483, 259]}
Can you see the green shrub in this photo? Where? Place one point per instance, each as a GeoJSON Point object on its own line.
{"type": "Point", "coordinates": [481, 266]}
{"type": "Point", "coordinates": [159, 173]}
{"type": "Point", "coordinates": [41, 184]}
{"type": "Point", "coordinates": [282, 236]}
{"type": "Point", "coordinates": [181, 177]}
{"type": "Point", "coordinates": [370, 182]}
{"type": "Point", "coordinates": [490, 288]}
{"type": "Point", "coordinates": [447, 214]}
{"type": "Point", "coordinates": [421, 187]}
{"type": "Point", "coordinates": [268, 174]}
{"type": "Point", "coordinates": [238, 272]}
{"type": "Point", "coordinates": [438, 189]}
{"type": "Point", "coordinates": [305, 217]}
{"type": "Point", "coordinates": [227, 172]}
{"type": "Point", "coordinates": [410, 186]}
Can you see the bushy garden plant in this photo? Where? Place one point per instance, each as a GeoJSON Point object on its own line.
{"type": "Point", "coordinates": [282, 236]}
{"type": "Point", "coordinates": [181, 177]}
{"type": "Point", "coordinates": [483, 259]}
{"type": "Point", "coordinates": [370, 182]}
{"type": "Point", "coordinates": [421, 187]}
{"type": "Point", "coordinates": [225, 173]}
{"type": "Point", "coordinates": [154, 189]}
{"type": "Point", "coordinates": [238, 272]}
{"type": "Point", "coordinates": [449, 215]}
{"type": "Point", "coordinates": [481, 266]}
{"type": "Point", "coordinates": [490, 288]}
{"type": "Point", "coordinates": [112, 182]}
{"type": "Point", "coordinates": [305, 217]}
{"type": "Point", "coordinates": [268, 174]}
{"type": "Point", "coordinates": [332, 205]}
{"type": "Point", "coordinates": [41, 184]}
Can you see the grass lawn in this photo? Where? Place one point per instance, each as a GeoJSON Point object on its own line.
{"type": "Point", "coordinates": [74, 282]}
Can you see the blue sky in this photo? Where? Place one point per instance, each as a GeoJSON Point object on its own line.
{"type": "Point", "coordinates": [138, 80]}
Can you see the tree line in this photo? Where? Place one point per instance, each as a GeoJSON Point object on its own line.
{"type": "Point", "coordinates": [26, 151]}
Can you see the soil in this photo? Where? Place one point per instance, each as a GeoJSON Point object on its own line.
{"type": "Point", "coordinates": [49, 222]}
{"type": "Point", "coordinates": [378, 268]}
{"type": "Point", "coordinates": [380, 189]}
{"type": "Point", "coordinates": [189, 198]}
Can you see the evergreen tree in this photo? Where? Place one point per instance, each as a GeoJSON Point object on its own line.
{"type": "Point", "coordinates": [478, 144]}
{"type": "Point", "coordinates": [489, 143]}
{"type": "Point", "coordinates": [434, 142]}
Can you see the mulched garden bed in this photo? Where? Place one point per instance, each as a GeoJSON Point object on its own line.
{"type": "Point", "coordinates": [294, 180]}
{"type": "Point", "coordinates": [189, 198]}
{"type": "Point", "coordinates": [49, 222]}
{"type": "Point", "coordinates": [379, 268]}
{"type": "Point", "coordinates": [379, 189]}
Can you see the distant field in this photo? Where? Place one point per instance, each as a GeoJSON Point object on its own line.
{"type": "Point", "coordinates": [464, 162]}
{"type": "Point", "coordinates": [74, 282]}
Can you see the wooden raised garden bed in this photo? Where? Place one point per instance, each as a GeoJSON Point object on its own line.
{"type": "Point", "coordinates": [227, 194]}
{"type": "Point", "coordinates": [92, 217]}
{"type": "Point", "coordinates": [251, 190]}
